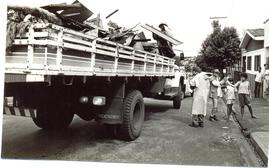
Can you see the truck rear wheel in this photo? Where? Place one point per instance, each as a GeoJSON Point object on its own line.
{"type": "Point", "coordinates": [133, 116]}
{"type": "Point", "coordinates": [177, 102]}
{"type": "Point", "coordinates": [54, 116]}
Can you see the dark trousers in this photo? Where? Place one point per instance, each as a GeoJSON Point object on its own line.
{"type": "Point", "coordinates": [257, 90]}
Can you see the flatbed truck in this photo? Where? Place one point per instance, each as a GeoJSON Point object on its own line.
{"type": "Point", "coordinates": [53, 73]}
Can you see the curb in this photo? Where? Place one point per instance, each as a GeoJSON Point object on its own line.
{"type": "Point", "coordinates": [259, 149]}
{"type": "Point", "coordinates": [253, 142]}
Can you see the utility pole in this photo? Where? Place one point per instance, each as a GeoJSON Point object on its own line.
{"type": "Point", "coordinates": [218, 17]}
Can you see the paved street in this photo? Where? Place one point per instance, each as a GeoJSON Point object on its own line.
{"type": "Point", "coordinates": [166, 139]}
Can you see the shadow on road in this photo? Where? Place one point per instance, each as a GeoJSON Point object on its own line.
{"type": "Point", "coordinates": [40, 144]}
{"type": "Point", "coordinates": [30, 142]}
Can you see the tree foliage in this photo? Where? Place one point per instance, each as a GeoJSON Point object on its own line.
{"type": "Point", "coordinates": [220, 49]}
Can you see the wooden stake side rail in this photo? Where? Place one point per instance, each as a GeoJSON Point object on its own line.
{"type": "Point", "coordinates": [51, 50]}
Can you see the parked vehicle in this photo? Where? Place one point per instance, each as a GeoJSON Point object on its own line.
{"type": "Point", "coordinates": [53, 73]}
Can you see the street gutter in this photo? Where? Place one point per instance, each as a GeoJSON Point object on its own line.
{"type": "Point", "coordinates": [250, 140]}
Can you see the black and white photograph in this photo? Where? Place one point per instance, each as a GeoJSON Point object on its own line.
{"type": "Point", "coordinates": [146, 82]}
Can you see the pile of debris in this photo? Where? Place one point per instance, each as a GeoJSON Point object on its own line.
{"type": "Point", "coordinates": [77, 17]}
{"type": "Point", "coordinates": [19, 18]}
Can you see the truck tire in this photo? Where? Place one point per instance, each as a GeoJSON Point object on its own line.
{"type": "Point", "coordinates": [133, 116]}
{"type": "Point", "coordinates": [177, 102]}
{"type": "Point", "coordinates": [54, 116]}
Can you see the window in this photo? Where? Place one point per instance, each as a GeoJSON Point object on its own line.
{"type": "Point", "coordinates": [249, 63]}
{"type": "Point", "coordinates": [257, 62]}
{"type": "Point", "coordinates": [244, 64]}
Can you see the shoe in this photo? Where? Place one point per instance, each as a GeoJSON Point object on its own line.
{"type": "Point", "coordinates": [254, 117]}
{"type": "Point", "coordinates": [211, 118]}
{"type": "Point", "coordinates": [215, 118]}
{"type": "Point", "coordinates": [201, 124]}
{"type": "Point", "coordinates": [193, 125]}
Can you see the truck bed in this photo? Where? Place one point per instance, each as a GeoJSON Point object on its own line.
{"type": "Point", "coordinates": [48, 49]}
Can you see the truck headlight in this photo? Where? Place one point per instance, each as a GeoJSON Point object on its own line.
{"type": "Point", "coordinates": [84, 99]}
{"type": "Point", "coordinates": [99, 100]}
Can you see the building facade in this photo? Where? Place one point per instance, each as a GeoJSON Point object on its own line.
{"type": "Point", "coordinates": [255, 54]}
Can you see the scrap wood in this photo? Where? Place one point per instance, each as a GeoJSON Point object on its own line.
{"type": "Point", "coordinates": [73, 15]}
{"type": "Point", "coordinates": [57, 7]}
{"type": "Point", "coordinates": [22, 11]}
{"type": "Point", "coordinates": [108, 16]}
{"type": "Point", "coordinates": [123, 33]}
{"type": "Point", "coordinates": [14, 29]}
{"type": "Point", "coordinates": [70, 12]}
{"type": "Point", "coordinates": [21, 17]}
{"type": "Point", "coordinates": [142, 40]}
{"type": "Point", "coordinates": [161, 34]}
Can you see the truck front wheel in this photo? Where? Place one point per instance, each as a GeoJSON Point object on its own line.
{"type": "Point", "coordinates": [133, 116]}
{"type": "Point", "coordinates": [53, 116]}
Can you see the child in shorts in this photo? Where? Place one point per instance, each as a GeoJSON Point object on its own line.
{"type": "Point", "coordinates": [244, 94]}
{"type": "Point", "coordinates": [230, 97]}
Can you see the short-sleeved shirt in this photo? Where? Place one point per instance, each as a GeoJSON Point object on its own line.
{"type": "Point", "coordinates": [214, 87]}
{"type": "Point", "coordinates": [266, 74]}
{"type": "Point", "coordinates": [243, 87]}
{"type": "Point", "coordinates": [258, 77]}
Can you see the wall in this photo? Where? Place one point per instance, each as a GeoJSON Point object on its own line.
{"type": "Point", "coordinates": [254, 45]}
{"type": "Point", "coordinates": [251, 79]}
{"type": "Point", "coordinates": [266, 46]}
{"type": "Point", "coordinates": [252, 54]}
{"type": "Point", "coordinates": [266, 41]}
{"type": "Point", "coordinates": [252, 73]}
{"type": "Point", "coordinates": [266, 34]}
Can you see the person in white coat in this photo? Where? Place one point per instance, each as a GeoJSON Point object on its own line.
{"type": "Point", "coordinates": [201, 85]}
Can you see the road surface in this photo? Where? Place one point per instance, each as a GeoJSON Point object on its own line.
{"type": "Point", "coordinates": [167, 138]}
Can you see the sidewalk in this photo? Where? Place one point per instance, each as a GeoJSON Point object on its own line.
{"type": "Point", "coordinates": [256, 129]}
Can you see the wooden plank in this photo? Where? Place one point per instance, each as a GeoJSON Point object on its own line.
{"type": "Point", "coordinates": [73, 32]}
{"type": "Point", "coordinates": [41, 34]}
{"type": "Point", "coordinates": [77, 47]}
{"type": "Point", "coordinates": [93, 56]}
{"type": "Point", "coordinates": [30, 54]}
{"type": "Point", "coordinates": [59, 49]}
{"type": "Point", "coordinates": [76, 40]}
{"type": "Point", "coordinates": [101, 47]}
{"type": "Point", "coordinates": [159, 33]}
{"type": "Point", "coordinates": [150, 63]}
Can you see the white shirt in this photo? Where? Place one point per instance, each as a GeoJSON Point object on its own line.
{"type": "Point", "coordinates": [266, 74]}
{"type": "Point", "coordinates": [231, 92]}
{"type": "Point", "coordinates": [258, 77]}
{"type": "Point", "coordinates": [243, 87]}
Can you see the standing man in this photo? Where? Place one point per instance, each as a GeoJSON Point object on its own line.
{"type": "Point", "coordinates": [258, 82]}
{"type": "Point", "coordinates": [214, 94]}
{"type": "Point", "coordinates": [165, 47]}
{"type": "Point", "coordinates": [266, 79]}
{"type": "Point", "coordinates": [200, 84]}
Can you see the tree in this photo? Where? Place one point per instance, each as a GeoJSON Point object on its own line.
{"type": "Point", "coordinates": [220, 49]}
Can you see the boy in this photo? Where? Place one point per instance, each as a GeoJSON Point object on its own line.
{"type": "Point", "coordinates": [244, 94]}
{"type": "Point", "coordinates": [230, 97]}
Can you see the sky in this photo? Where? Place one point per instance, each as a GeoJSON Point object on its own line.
{"type": "Point", "coordinates": [188, 20]}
